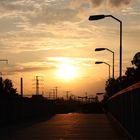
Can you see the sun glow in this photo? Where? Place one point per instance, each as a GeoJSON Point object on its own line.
{"type": "Point", "coordinates": [67, 72]}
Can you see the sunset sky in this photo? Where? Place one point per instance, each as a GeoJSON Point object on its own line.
{"type": "Point", "coordinates": [55, 40]}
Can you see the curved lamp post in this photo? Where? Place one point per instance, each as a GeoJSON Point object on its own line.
{"type": "Point", "coordinates": [102, 49]}
{"type": "Point", "coordinates": [98, 17]}
{"type": "Point", "coordinates": [101, 62]}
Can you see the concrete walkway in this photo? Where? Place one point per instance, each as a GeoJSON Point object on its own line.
{"type": "Point", "coordinates": [67, 127]}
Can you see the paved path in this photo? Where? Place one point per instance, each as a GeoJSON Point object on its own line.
{"type": "Point", "coordinates": [68, 127]}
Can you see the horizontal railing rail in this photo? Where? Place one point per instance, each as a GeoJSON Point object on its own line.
{"type": "Point", "coordinates": [130, 88]}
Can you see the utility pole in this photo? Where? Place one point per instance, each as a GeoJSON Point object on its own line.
{"type": "Point", "coordinates": [37, 86]}
{"type": "Point", "coordinates": [56, 92]}
{"type": "Point", "coordinates": [21, 86]}
{"type": "Point", "coordinates": [86, 97]}
{"type": "Point", "coordinates": [67, 94]}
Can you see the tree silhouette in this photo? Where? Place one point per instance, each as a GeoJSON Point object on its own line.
{"type": "Point", "coordinates": [136, 60]}
{"type": "Point", "coordinates": [6, 87]}
{"type": "Point", "coordinates": [132, 75]}
{"type": "Point", "coordinates": [1, 85]}
{"type": "Point", "coordinates": [112, 86]}
{"type": "Point", "coordinates": [130, 72]}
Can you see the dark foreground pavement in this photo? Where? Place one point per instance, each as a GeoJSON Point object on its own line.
{"type": "Point", "coordinates": [72, 126]}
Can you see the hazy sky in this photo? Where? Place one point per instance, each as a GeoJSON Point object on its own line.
{"type": "Point", "coordinates": [42, 37]}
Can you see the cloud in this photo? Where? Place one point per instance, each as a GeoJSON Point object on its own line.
{"type": "Point", "coordinates": [119, 3]}
{"type": "Point", "coordinates": [57, 28]}
{"type": "Point", "coordinates": [51, 15]}
{"type": "Point", "coordinates": [38, 11]}
{"type": "Point", "coordinates": [34, 69]}
{"type": "Point", "coordinates": [84, 4]}
{"type": "Point", "coordinates": [28, 14]}
{"type": "Point", "coordinates": [78, 61]}
{"type": "Point", "coordinates": [98, 3]}
{"type": "Point", "coordinates": [50, 63]}
{"type": "Point", "coordinates": [111, 3]}
{"type": "Point", "coordinates": [28, 67]}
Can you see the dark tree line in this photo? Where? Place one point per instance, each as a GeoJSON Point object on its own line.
{"type": "Point", "coordinates": [6, 88]}
{"type": "Point", "coordinates": [132, 75]}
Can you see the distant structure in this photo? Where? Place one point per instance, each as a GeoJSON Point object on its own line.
{"type": "Point", "coordinates": [67, 94]}
{"type": "Point", "coordinates": [56, 92]}
{"type": "Point", "coordinates": [21, 86]}
{"type": "Point", "coordinates": [37, 84]}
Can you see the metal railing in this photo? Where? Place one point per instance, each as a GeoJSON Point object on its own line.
{"type": "Point", "coordinates": [125, 107]}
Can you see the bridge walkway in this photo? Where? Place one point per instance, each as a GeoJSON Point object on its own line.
{"type": "Point", "coordinates": [72, 126]}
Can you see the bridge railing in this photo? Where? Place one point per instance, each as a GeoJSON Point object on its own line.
{"type": "Point", "coordinates": [125, 107]}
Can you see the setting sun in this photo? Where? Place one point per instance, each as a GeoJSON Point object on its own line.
{"type": "Point", "coordinates": [67, 72]}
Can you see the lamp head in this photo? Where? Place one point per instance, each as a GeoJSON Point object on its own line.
{"type": "Point", "coordinates": [99, 62]}
{"type": "Point", "coordinates": [96, 17]}
{"type": "Point", "coordinates": [100, 49]}
{"type": "Point", "coordinates": [100, 93]}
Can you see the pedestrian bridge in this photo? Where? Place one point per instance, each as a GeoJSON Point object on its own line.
{"type": "Point", "coordinates": [121, 121]}
{"type": "Point", "coordinates": [72, 126]}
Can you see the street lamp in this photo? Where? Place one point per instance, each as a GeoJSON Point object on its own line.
{"type": "Point", "coordinates": [101, 49]}
{"type": "Point", "coordinates": [101, 62]}
{"type": "Point", "coordinates": [98, 17]}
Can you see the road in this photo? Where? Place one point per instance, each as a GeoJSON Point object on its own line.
{"type": "Point", "coordinates": [72, 126]}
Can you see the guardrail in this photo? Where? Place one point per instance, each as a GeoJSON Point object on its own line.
{"type": "Point", "coordinates": [125, 107]}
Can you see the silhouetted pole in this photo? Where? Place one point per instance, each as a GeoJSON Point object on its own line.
{"type": "Point", "coordinates": [49, 95]}
{"type": "Point", "coordinates": [113, 66]}
{"type": "Point", "coordinates": [67, 94]}
{"type": "Point", "coordinates": [108, 67]}
{"type": "Point", "coordinates": [56, 92]}
{"type": "Point", "coordinates": [86, 97]}
{"type": "Point", "coordinates": [37, 86]}
{"type": "Point", "coordinates": [21, 86]}
{"type": "Point", "coordinates": [98, 17]}
{"type": "Point", "coordinates": [120, 50]}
